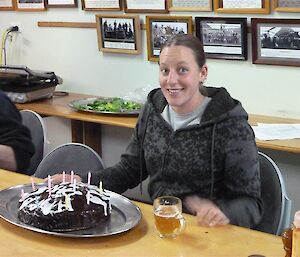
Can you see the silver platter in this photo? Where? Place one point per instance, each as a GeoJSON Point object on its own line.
{"type": "Point", "coordinates": [124, 216]}
{"type": "Point", "coordinates": [74, 104]}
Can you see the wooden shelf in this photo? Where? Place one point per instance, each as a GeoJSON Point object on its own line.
{"type": "Point", "coordinates": [87, 25]}
{"type": "Point", "coordinates": [63, 24]}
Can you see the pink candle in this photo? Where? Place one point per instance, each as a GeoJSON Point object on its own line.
{"type": "Point", "coordinates": [72, 176]}
{"type": "Point", "coordinates": [64, 177]}
{"type": "Point", "coordinates": [22, 193]}
{"type": "Point", "coordinates": [89, 178]}
{"type": "Point", "coordinates": [49, 185]}
{"type": "Point", "coordinates": [32, 184]}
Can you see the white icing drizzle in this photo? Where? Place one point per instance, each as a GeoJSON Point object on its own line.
{"type": "Point", "coordinates": [56, 203]}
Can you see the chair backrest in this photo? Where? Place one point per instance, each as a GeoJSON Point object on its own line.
{"type": "Point", "coordinates": [34, 122]}
{"type": "Point", "coordinates": [277, 205]}
{"type": "Point", "coordinates": [67, 157]}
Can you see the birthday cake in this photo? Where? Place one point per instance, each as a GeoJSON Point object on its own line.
{"type": "Point", "coordinates": [67, 207]}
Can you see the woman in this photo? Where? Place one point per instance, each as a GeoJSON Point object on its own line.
{"type": "Point", "coordinates": [194, 142]}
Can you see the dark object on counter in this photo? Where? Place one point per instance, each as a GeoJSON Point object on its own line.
{"type": "Point", "coordinates": [22, 84]}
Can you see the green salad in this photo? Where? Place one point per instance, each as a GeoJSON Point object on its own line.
{"type": "Point", "coordinates": [115, 104]}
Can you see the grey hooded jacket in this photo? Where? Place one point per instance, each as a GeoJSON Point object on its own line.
{"type": "Point", "coordinates": [217, 159]}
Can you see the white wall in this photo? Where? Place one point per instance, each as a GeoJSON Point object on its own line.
{"type": "Point", "coordinates": [73, 54]}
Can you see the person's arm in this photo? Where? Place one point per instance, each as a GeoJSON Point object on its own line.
{"type": "Point", "coordinates": [14, 134]}
{"type": "Point", "coordinates": [127, 173]}
{"type": "Point", "coordinates": [7, 158]}
{"type": "Point", "coordinates": [241, 202]}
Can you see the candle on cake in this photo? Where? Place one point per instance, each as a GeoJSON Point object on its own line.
{"type": "Point", "coordinates": [49, 185]}
{"type": "Point", "coordinates": [100, 187]}
{"type": "Point", "coordinates": [89, 178]}
{"type": "Point", "coordinates": [72, 176]}
{"type": "Point", "coordinates": [32, 184]}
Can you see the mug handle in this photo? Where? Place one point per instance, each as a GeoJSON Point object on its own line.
{"type": "Point", "coordinates": [182, 223]}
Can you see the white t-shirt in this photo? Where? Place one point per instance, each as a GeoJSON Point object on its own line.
{"type": "Point", "coordinates": [178, 121]}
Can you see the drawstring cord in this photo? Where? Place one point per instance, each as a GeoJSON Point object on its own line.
{"type": "Point", "coordinates": [212, 162]}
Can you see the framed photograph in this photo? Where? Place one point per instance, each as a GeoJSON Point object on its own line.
{"type": "Point", "coordinates": [119, 33]}
{"type": "Point", "coordinates": [61, 3]}
{"type": "Point", "coordinates": [223, 38]}
{"type": "Point", "coordinates": [190, 5]}
{"type": "Point", "coordinates": [276, 41]}
{"type": "Point", "coordinates": [31, 5]}
{"type": "Point", "coordinates": [242, 6]}
{"type": "Point", "coordinates": [161, 28]}
{"type": "Point", "coordinates": [102, 5]}
{"type": "Point", "coordinates": [6, 5]}
{"type": "Point", "coordinates": [287, 5]}
{"type": "Point", "coordinates": [146, 6]}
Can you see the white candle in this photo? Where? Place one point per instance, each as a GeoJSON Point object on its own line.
{"type": "Point", "coordinates": [72, 176]}
{"type": "Point", "coordinates": [64, 177]}
{"type": "Point", "coordinates": [32, 184]}
{"type": "Point", "coordinates": [89, 178]}
{"type": "Point", "coordinates": [49, 185]}
{"type": "Point", "coordinates": [74, 185]}
{"type": "Point", "coordinates": [100, 187]}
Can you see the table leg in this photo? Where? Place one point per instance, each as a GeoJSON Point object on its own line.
{"type": "Point", "coordinates": [88, 133]}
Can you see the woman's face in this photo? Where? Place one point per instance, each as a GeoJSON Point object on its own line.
{"type": "Point", "coordinates": [180, 77]}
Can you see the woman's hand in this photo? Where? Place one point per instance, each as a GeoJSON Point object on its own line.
{"type": "Point", "coordinates": [57, 178]}
{"type": "Point", "coordinates": [207, 212]}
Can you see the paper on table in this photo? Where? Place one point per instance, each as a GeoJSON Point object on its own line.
{"type": "Point", "coordinates": [276, 131]}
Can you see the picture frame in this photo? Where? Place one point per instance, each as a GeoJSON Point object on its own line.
{"type": "Point", "coordinates": [160, 28]}
{"type": "Point", "coordinates": [61, 3]}
{"type": "Point", "coordinates": [191, 6]}
{"type": "Point", "coordinates": [101, 5]}
{"type": "Point", "coordinates": [242, 6]}
{"type": "Point", "coordinates": [7, 5]}
{"type": "Point", "coordinates": [119, 33]}
{"type": "Point", "coordinates": [276, 41]}
{"type": "Point", "coordinates": [145, 6]}
{"type": "Point", "coordinates": [286, 5]}
{"type": "Point", "coordinates": [223, 38]}
{"type": "Point", "coordinates": [30, 5]}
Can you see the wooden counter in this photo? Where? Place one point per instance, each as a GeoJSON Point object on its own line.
{"type": "Point", "coordinates": [141, 241]}
{"type": "Point", "coordinates": [86, 127]}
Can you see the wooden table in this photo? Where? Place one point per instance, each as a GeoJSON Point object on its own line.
{"type": "Point", "coordinates": [86, 127]}
{"type": "Point", "coordinates": [196, 241]}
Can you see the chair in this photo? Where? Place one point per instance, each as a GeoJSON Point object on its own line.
{"type": "Point", "coordinates": [67, 157]}
{"type": "Point", "coordinates": [277, 205]}
{"type": "Point", "coordinates": [34, 122]}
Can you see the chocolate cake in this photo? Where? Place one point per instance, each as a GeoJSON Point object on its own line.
{"type": "Point", "coordinates": [67, 207]}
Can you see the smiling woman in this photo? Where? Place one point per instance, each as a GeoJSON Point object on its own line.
{"type": "Point", "coordinates": [193, 142]}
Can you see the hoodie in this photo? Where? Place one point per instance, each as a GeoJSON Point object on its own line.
{"type": "Point", "coordinates": [216, 159]}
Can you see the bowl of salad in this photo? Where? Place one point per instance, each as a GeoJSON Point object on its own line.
{"type": "Point", "coordinates": [107, 105]}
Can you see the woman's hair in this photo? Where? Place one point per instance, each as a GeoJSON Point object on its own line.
{"type": "Point", "coordinates": [190, 42]}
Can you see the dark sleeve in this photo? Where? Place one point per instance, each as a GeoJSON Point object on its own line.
{"type": "Point", "coordinates": [127, 172]}
{"type": "Point", "coordinates": [242, 202]}
{"type": "Point", "coordinates": [14, 134]}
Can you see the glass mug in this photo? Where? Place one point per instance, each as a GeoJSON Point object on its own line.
{"type": "Point", "coordinates": [169, 221]}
